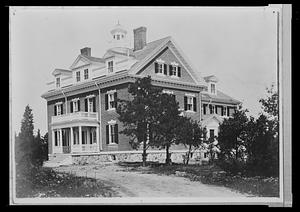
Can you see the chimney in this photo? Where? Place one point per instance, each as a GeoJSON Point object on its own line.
{"type": "Point", "coordinates": [139, 38]}
{"type": "Point", "coordinates": [86, 51]}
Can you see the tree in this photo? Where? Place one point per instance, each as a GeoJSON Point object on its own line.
{"type": "Point", "coordinates": [167, 124]}
{"type": "Point", "coordinates": [191, 135]}
{"type": "Point", "coordinates": [25, 143]}
{"type": "Point", "coordinates": [231, 137]}
{"type": "Point", "coordinates": [140, 113]}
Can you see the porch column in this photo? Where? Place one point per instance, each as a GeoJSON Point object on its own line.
{"type": "Point", "coordinates": [72, 138]}
{"type": "Point", "coordinates": [60, 140]}
{"type": "Point", "coordinates": [88, 135]}
{"type": "Point", "coordinates": [80, 139]}
{"type": "Point", "coordinates": [53, 141]}
{"type": "Point", "coordinates": [97, 139]}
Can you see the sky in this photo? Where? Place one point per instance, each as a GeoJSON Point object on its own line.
{"type": "Point", "coordinates": [238, 45]}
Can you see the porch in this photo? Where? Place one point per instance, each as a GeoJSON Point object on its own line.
{"type": "Point", "coordinates": [75, 139]}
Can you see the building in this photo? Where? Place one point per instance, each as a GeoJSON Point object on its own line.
{"type": "Point", "coordinates": [81, 100]}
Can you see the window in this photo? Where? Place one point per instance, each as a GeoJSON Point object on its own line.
{"type": "Point", "coordinates": [160, 67]}
{"type": "Point", "coordinates": [57, 82]}
{"type": "Point", "coordinates": [190, 103]}
{"type": "Point", "coordinates": [56, 137]}
{"type": "Point", "coordinates": [58, 110]}
{"type": "Point", "coordinates": [110, 66]}
{"type": "Point", "coordinates": [111, 100]}
{"type": "Point", "coordinates": [213, 88]}
{"type": "Point", "coordinates": [174, 70]}
{"type": "Point", "coordinates": [78, 76]}
{"type": "Point", "coordinates": [75, 106]}
{"type": "Point", "coordinates": [211, 133]}
{"type": "Point", "coordinates": [86, 74]}
{"type": "Point", "coordinates": [122, 36]}
{"type": "Point", "coordinates": [112, 134]}
{"type": "Point", "coordinates": [90, 104]}
{"type": "Point", "coordinates": [118, 37]}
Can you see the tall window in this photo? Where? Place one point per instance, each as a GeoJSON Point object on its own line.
{"type": "Point", "coordinates": [110, 66]}
{"type": "Point", "coordinates": [111, 101]}
{"type": "Point", "coordinates": [189, 103]}
{"type": "Point", "coordinates": [86, 74]}
{"type": "Point", "coordinates": [90, 105]}
{"type": "Point", "coordinates": [77, 76]}
{"type": "Point", "coordinates": [112, 134]}
{"type": "Point", "coordinates": [213, 88]}
{"type": "Point", "coordinates": [174, 69]}
{"type": "Point", "coordinates": [160, 68]}
{"type": "Point", "coordinates": [58, 110]}
{"type": "Point", "coordinates": [75, 106]}
{"type": "Point", "coordinates": [211, 133]}
{"type": "Point", "coordinates": [57, 82]}
{"type": "Point", "coordinates": [118, 37]}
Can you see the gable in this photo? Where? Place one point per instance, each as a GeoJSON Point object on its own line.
{"type": "Point", "coordinates": [168, 56]}
{"type": "Point", "coordinates": [79, 62]}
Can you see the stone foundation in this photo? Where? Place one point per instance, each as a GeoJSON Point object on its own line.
{"type": "Point", "coordinates": [132, 156]}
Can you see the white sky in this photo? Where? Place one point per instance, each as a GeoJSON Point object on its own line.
{"type": "Point", "coordinates": [238, 45]}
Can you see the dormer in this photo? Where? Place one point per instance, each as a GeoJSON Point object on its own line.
{"type": "Point", "coordinates": [61, 75]}
{"type": "Point", "coordinates": [211, 84]}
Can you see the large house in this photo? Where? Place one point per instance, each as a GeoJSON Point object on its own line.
{"type": "Point", "coordinates": [81, 100]}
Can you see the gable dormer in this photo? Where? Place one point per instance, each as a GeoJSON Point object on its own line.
{"type": "Point", "coordinates": [61, 77]}
{"type": "Point", "coordinates": [211, 84]}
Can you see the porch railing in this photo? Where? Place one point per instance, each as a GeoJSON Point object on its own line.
{"type": "Point", "coordinates": [75, 116]}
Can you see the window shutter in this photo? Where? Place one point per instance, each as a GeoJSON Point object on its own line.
{"type": "Point", "coordinates": [179, 71]}
{"type": "Point", "coordinates": [62, 109]}
{"type": "Point", "coordinates": [78, 105]}
{"type": "Point", "coordinates": [94, 104]}
{"type": "Point", "coordinates": [165, 69]}
{"type": "Point", "coordinates": [204, 109]}
{"type": "Point", "coordinates": [116, 134]}
{"type": "Point", "coordinates": [116, 99]}
{"type": "Point", "coordinates": [107, 134]}
{"type": "Point", "coordinates": [195, 104]}
{"type": "Point", "coordinates": [185, 103]}
{"type": "Point", "coordinates": [71, 107]}
{"type": "Point", "coordinates": [156, 67]}
{"type": "Point", "coordinates": [86, 105]}
{"type": "Point", "coordinates": [55, 110]}
{"type": "Point", "coordinates": [106, 101]}
{"type": "Point", "coordinates": [170, 70]}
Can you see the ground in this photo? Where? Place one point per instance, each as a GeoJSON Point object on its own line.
{"type": "Point", "coordinates": [136, 184]}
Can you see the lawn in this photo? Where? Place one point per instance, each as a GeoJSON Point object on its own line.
{"type": "Point", "coordinates": [44, 182]}
{"type": "Point", "coordinates": [256, 186]}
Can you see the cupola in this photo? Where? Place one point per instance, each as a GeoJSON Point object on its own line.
{"type": "Point", "coordinates": [119, 36]}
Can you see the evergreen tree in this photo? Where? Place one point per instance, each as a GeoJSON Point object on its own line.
{"type": "Point", "coordinates": [139, 114]}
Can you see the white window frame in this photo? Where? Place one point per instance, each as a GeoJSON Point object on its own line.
{"type": "Point", "coordinates": [111, 132]}
{"type": "Point", "coordinates": [58, 109]}
{"type": "Point", "coordinates": [111, 100]}
{"type": "Point", "coordinates": [211, 86]}
{"type": "Point", "coordinates": [160, 67]}
{"type": "Point", "coordinates": [90, 103]}
{"type": "Point", "coordinates": [59, 82]}
{"type": "Point", "coordinates": [190, 103]}
{"type": "Point", "coordinates": [110, 69]}
{"type": "Point", "coordinates": [86, 73]}
{"type": "Point", "coordinates": [77, 76]}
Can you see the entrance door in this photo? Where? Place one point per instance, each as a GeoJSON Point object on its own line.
{"type": "Point", "coordinates": [66, 141]}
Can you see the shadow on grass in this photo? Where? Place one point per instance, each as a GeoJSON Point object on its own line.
{"type": "Point", "coordinates": [207, 174]}
{"type": "Point", "coordinates": [45, 182]}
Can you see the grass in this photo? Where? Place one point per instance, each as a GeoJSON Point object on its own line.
{"type": "Point", "coordinates": [44, 182]}
{"type": "Point", "coordinates": [256, 186]}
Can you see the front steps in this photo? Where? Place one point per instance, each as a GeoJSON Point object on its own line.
{"type": "Point", "coordinates": [58, 159]}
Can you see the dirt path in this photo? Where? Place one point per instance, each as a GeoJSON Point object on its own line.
{"type": "Point", "coordinates": [135, 184]}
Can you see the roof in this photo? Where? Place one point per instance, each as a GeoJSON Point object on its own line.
{"type": "Point", "coordinates": [150, 47]}
{"type": "Point", "coordinates": [93, 59]}
{"type": "Point", "coordinates": [220, 97]}
{"type": "Point", "coordinates": [63, 71]}
{"type": "Point", "coordinates": [212, 78]}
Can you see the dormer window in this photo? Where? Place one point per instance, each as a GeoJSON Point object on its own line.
{"type": "Point", "coordinates": [110, 66]}
{"type": "Point", "coordinates": [213, 88]}
{"type": "Point", "coordinates": [58, 82]}
{"type": "Point", "coordinates": [78, 76]}
{"type": "Point", "coordinates": [86, 74]}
